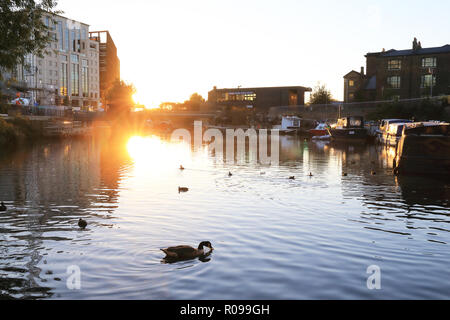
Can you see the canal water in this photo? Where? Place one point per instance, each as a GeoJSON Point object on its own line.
{"type": "Point", "coordinates": [274, 238]}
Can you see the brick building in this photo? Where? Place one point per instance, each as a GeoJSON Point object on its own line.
{"type": "Point", "coordinates": [401, 74]}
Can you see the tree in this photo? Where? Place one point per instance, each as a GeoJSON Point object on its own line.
{"type": "Point", "coordinates": [195, 102]}
{"type": "Point", "coordinates": [120, 97]}
{"type": "Point", "coordinates": [321, 95]}
{"type": "Point", "coordinates": [23, 29]}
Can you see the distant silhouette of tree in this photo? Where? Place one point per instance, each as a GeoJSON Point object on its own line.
{"type": "Point", "coordinates": [23, 30]}
{"type": "Point", "coordinates": [321, 95]}
{"type": "Point", "coordinates": [195, 102]}
{"type": "Point", "coordinates": [120, 97]}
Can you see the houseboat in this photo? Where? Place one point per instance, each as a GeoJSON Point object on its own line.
{"type": "Point", "coordinates": [290, 125]}
{"type": "Point", "coordinates": [390, 131]}
{"type": "Point", "coordinates": [349, 128]}
{"type": "Point", "coordinates": [424, 149]}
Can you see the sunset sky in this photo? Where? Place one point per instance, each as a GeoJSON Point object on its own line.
{"type": "Point", "coordinates": [172, 48]}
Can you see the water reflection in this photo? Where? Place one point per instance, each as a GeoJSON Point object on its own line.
{"type": "Point", "coordinates": [315, 233]}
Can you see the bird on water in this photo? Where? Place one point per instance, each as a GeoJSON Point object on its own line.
{"type": "Point", "coordinates": [82, 224]}
{"type": "Point", "coordinates": [186, 252]}
{"type": "Point", "coordinates": [181, 167]}
{"type": "Point", "coordinates": [182, 189]}
{"type": "Point", "coordinates": [2, 207]}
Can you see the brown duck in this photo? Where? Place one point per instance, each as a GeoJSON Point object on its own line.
{"type": "Point", "coordinates": [186, 252]}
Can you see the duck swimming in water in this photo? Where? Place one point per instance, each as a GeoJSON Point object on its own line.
{"type": "Point", "coordinates": [2, 207]}
{"type": "Point", "coordinates": [311, 175]}
{"type": "Point", "coordinates": [292, 178]}
{"type": "Point", "coordinates": [82, 224]}
{"type": "Point", "coordinates": [230, 174]}
{"type": "Point", "coordinates": [186, 252]}
{"type": "Point", "coordinates": [181, 167]}
{"type": "Point", "coordinates": [182, 189]}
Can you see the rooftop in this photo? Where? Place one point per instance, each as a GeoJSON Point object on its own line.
{"type": "Point", "coordinates": [411, 52]}
{"type": "Point", "coordinates": [259, 88]}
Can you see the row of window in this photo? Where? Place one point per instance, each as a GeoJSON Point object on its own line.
{"type": "Point", "coordinates": [426, 81]}
{"type": "Point", "coordinates": [237, 96]}
{"type": "Point", "coordinates": [396, 64]}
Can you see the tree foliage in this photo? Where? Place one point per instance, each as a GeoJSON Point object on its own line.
{"type": "Point", "coordinates": [120, 96]}
{"type": "Point", "coordinates": [195, 102]}
{"type": "Point", "coordinates": [23, 29]}
{"type": "Point", "coordinates": [321, 95]}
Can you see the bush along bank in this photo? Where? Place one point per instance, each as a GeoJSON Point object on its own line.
{"type": "Point", "coordinates": [17, 131]}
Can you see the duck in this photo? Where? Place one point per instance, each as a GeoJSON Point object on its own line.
{"type": "Point", "coordinates": [373, 173]}
{"type": "Point", "coordinates": [230, 174]}
{"type": "Point", "coordinates": [186, 252]}
{"type": "Point", "coordinates": [82, 224]}
{"type": "Point", "coordinates": [292, 178]}
{"type": "Point", "coordinates": [344, 174]}
{"type": "Point", "coordinates": [311, 175]}
{"type": "Point", "coordinates": [182, 189]}
{"type": "Point", "coordinates": [2, 207]}
{"type": "Point", "coordinates": [181, 167]}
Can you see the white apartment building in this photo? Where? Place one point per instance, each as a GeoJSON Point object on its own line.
{"type": "Point", "coordinates": [68, 74]}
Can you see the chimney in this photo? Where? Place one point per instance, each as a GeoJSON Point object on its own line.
{"type": "Point", "coordinates": [362, 71]}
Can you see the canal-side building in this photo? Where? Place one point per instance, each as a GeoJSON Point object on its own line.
{"type": "Point", "coordinates": [68, 73]}
{"type": "Point", "coordinates": [260, 99]}
{"type": "Point", "coordinates": [109, 60]}
{"type": "Point", "coordinates": [401, 74]}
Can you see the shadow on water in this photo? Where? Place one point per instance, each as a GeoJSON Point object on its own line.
{"type": "Point", "coordinates": [425, 191]}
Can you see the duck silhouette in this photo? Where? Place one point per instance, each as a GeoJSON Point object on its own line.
{"type": "Point", "coordinates": [2, 207]}
{"type": "Point", "coordinates": [82, 224]}
{"type": "Point", "coordinates": [182, 189]}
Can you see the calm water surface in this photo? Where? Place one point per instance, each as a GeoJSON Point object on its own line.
{"type": "Point", "coordinates": [274, 238]}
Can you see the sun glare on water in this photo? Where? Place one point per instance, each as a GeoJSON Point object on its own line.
{"type": "Point", "coordinates": [152, 153]}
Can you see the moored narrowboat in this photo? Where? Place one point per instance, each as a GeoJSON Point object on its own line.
{"type": "Point", "coordinates": [349, 128]}
{"type": "Point", "coordinates": [424, 149]}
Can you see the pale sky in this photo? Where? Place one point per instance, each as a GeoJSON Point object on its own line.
{"type": "Point", "coordinates": [170, 49]}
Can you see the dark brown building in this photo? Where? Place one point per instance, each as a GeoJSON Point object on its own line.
{"type": "Point", "coordinates": [109, 61]}
{"type": "Point", "coordinates": [259, 99]}
{"type": "Point", "coordinates": [401, 74]}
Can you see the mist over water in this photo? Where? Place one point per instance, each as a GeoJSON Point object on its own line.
{"type": "Point", "coordinates": [274, 238]}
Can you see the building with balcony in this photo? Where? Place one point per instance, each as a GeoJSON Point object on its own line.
{"type": "Point", "coordinates": [401, 74]}
{"type": "Point", "coordinates": [259, 99]}
{"type": "Point", "coordinates": [109, 61]}
{"type": "Point", "coordinates": [68, 73]}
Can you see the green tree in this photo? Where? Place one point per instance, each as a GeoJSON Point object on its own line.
{"type": "Point", "coordinates": [23, 29]}
{"type": "Point", "coordinates": [320, 95]}
{"type": "Point", "coordinates": [119, 97]}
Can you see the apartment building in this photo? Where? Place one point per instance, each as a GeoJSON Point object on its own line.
{"type": "Point", "coordinates": [68, 73]}
{"type": "Point", "coordinates": [401, 74]}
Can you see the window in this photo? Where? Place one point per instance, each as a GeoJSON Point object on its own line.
{"type": "Point", "coordinates": [429, 62]}
{"type": "Point", "coordinates": [351, 83]}
{"type": "Point", "coordinates": [60, 32]}
{"type": "Point", "coordinates": [394, 64]}
{"type": "Point", "coordinates": [63, 79]}
{"type": "Point", "coordinates": [394, 82]}
{"type": "Point", "coordinates": [351, 95]}
{"type": "Point", "coordinates": [74, 58]}
{"type": "Point", "coordinates": [427, 80]}
{"type": "Point", "coordinates": [75, 76]}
